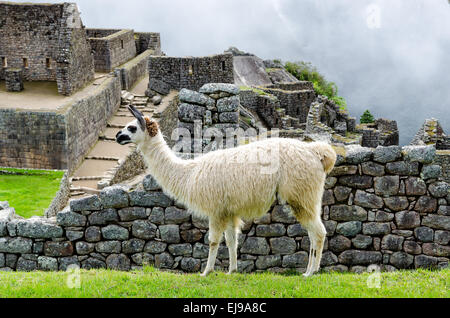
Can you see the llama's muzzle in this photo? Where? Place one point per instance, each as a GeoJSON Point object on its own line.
{"type": "Point", "coordinates": [122, 139]}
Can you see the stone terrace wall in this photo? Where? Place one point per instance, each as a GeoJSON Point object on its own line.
{"type": "Point", "coordinates": [133, 71]}
{"type": "Point", "coordinates": [443, 160]}
{"type": "Point", "coordinates": [56, 140]}
{"type": "Point", "coordinates": [188, 72]}
{"type": "Point", "coordinates": [111, 48]}
{"type": "Point", "coordinates": [48, 42]}
{"type": "Point", "coordinates": [92, 111]}
{"type": "Point", "coordinates": [32, 140]}
{"type": "Point", "coordinates": [381, 206]}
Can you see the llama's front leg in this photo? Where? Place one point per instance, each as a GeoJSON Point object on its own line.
{"type": "Point", "coordinates": [231, 236]}
{"type": "Point", "coordinates": [214, 241]}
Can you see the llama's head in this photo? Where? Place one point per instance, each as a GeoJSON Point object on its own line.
{"type": "Point", "coordinates": [138, 130]}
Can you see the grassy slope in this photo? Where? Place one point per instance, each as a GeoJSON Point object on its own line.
{"type": "Point", "coordinates": [151, 283]}
{"type": "Point", "coordinates": [31, 193]}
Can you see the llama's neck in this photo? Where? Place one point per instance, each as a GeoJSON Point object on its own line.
{"type": "Point", "coordinates": [169, 171]}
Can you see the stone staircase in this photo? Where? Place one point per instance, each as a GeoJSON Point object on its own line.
{"type": "Point", "coordinates": [104, 157]}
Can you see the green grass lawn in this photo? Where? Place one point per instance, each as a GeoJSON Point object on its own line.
{"type": "Point", "coordinates": [30, 192]}
{"type": "Point", "coordinates": [151, 283]}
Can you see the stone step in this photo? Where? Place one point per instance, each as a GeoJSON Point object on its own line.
{"type": "Point", "coordinates": [139, 102]}
{"type": "Point", "coordinates": [105, 138]}
{"type": "Point", "coordinates": [123, 115]}
{"type": "Point", "coordinates": [110, 133]}
{"type": "Point", "coordinates": [102, 158]}
{"type": "Point", "coordinates": [137, 107]}
{"type": "Point", "coordinates": [116, 126]}
{"type": "Point", "coordinates": [85, 190]}
{"type": "Point", "coordinates": [87, 178]}
{"type": "Point", "coordinates": [92, 184]}
{"type": "Point", "coordinates": [93, 169]}
{"type": "Point", "coordinates": [77, 194]}
{"type": "Point", "coordinates": [109, 149]}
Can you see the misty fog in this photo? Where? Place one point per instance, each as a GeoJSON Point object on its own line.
{"type": "Point", "coordinates": [391, 57]}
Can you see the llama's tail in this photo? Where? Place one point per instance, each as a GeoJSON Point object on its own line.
{"type": "Point", "coordinates": [326, 154]}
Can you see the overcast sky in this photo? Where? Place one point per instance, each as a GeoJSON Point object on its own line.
{"type": "Point", "coordinates": [389, 56]}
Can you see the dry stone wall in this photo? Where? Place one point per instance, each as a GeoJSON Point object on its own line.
{"type": "Point", "coordinates": [382, 206]}
{"type": "Point", "coordinates": [215, 107]}
{"type": "Point", "coordinates": [135, 70]}
{"type": "Point", "coordinates": [188, 72]}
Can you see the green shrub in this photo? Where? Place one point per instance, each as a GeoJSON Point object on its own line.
{"type": "Point", "coordinates": [367, 118]}
{"type": "Point", "coordinates": [305, 71]}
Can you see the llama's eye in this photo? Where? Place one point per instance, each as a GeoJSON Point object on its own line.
{"type": "Point", "coordinates": [132, 129]}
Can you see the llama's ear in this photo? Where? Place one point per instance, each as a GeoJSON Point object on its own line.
{"type": "Point", "coordinates": [139, 116]}
{"type": "Point", "coordinates": [136, 113]}
{"type": "Point", "coordinates": [152, 127]}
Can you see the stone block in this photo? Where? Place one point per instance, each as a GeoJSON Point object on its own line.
{"type": "Point", "coordinates": [283, 245]}
{"type": "Point", "coordinates": [67, 218]}
{"type": "Point", "coordinates": [38, 228]}
{"type": "Point", "coordinates": [270, 230]}
{"type": "Point", "coordinates": [149, 199]}
{"type": "Point", "coordinates": [349, 229]}
{"type": "Point", "coordinates": [407, 220]}
{"type": "Point", "coordinates": [368, 200]}
{"type": "Point", "coordinates": [174, 215]}
{"type": "Point", "coordinates": [133, 246]}
{"type": "Point", "coordinates": [115, 232]}
{"type": "Point", "coordinates": [348, 213]}
{"type": "Point", "coordinates": [103, 217]}
{"type": "Point", "coordinates": [387, 154]}
{"type": "Point", "coordinates": [132, 214]}
{"type": "Point", "coordinates": [170, 233]}
{"type": "Point", "coordinates": [354, 257]}
{"type": "Point", "coordinates": [387, 186]}
{"type": "Point", "coordinates": [119, 262]}
{"type": "Point", "coordinates": [374, 228]}
{"type": "Point", "coordinates": [90, 203]}
{"type": "Point", "coordinates": [114, 197]}
{"type": "Point", "coordinates": [255, 245]}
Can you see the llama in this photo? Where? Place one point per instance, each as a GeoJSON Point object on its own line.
{"type": "Point", "coordinates": [226, 186]}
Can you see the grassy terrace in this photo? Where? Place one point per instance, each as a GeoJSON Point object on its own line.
{"type": "Point", "coordinates": [30, 192]}
{"type": "Point", "coordinates": [151, 283]}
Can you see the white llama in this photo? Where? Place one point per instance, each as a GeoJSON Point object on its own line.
{"type": "Point", "coordinates": [228, 186]}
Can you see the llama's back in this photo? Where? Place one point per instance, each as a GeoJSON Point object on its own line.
{"type": "Point", "coordinates": [246, 179]}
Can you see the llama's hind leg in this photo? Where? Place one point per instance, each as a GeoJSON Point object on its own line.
{"type": "Point", "coordinates": [216, 229]}
{"type": "Point", "coordinates": [231, 238]}
{"type": "Point", "coordinates": [310, 220]}
{"type": "Point", "coordinates": [316, 233]}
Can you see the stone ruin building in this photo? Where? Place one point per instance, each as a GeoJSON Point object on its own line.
{"type": "Point", "coordinates": [432, 133]}
{"type": "Point", "coordinates": [44, 47]}
{"type": "Point", "coordinates": [48, 42]}
{"type": "Point", "coordinates": [45, 42]}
